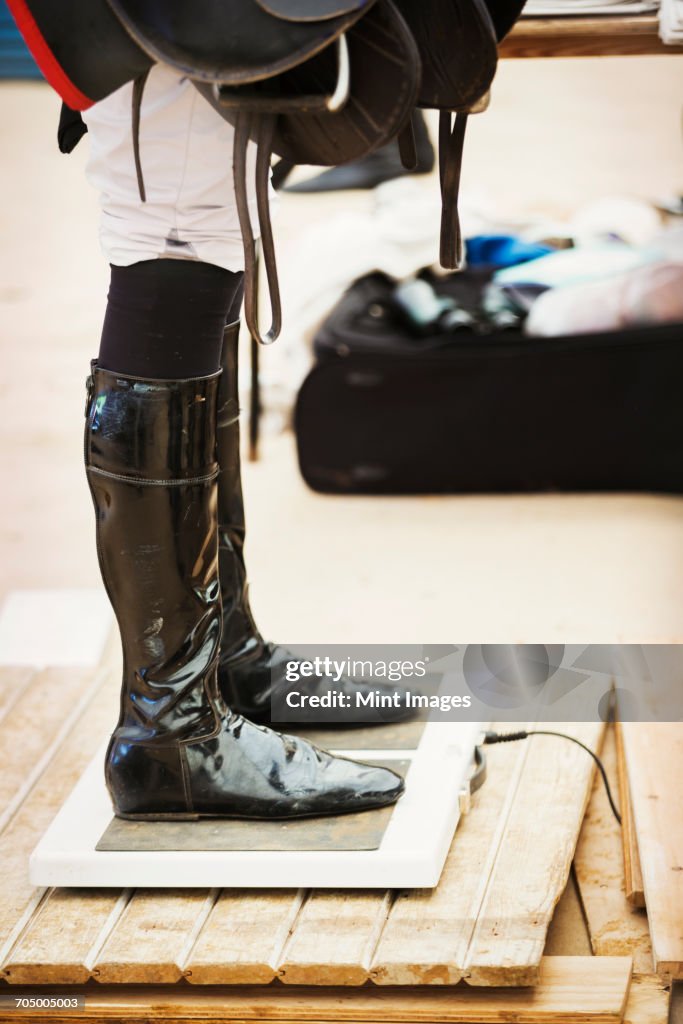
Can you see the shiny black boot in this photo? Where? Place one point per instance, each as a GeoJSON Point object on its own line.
{"type": "Point", "coordinates": [251, 671]}
{"type": "Point", "coordinates": [178, 751]}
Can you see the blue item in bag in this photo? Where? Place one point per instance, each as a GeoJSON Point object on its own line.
{"type": "Point", "coordinates": [502, 250]}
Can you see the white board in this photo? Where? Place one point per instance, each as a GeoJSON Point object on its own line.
{"type": "Point", "coordinates": [411, 854]}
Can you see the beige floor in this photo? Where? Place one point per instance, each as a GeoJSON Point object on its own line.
{"type": "Point", "coordinates": [572, 569]}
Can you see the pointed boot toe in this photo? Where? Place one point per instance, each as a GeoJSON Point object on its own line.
{"type": "Point", "coordinates": [373, 786]}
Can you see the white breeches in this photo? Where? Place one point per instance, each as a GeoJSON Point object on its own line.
{"type": "Point", "coordinates": [186, 157]}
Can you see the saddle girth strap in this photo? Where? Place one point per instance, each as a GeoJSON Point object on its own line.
{"type": "Point", "coordinates": [451, 141]}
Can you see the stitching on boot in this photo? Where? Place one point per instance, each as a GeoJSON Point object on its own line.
{"type": "Point", "coordinates": [154, 483]}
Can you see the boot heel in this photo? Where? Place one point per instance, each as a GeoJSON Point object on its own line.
{"type": "Point", "coordinates": [147, 782]}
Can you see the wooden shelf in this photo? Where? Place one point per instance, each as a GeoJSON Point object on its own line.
{"type": "Point", "coordinates": [603, 36]}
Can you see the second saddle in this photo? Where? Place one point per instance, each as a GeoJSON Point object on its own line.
{"type": "Point", "coordinates": [315, 81]}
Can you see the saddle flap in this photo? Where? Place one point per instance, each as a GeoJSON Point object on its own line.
{"type": "Point", "coordinates": [312, 10]}
{"type": "Point", "coordinates": [235, 42]}
{"type": "Point", "coordinates": [457, 44]}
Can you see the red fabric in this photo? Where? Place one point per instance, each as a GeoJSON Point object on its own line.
{"type": "Point", "coordinates": [45, 59]}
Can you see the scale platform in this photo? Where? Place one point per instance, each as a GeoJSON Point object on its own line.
{"type": "Point", "coordinates": [403, 846]}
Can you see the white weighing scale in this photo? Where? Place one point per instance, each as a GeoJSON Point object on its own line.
{"type": "Point", "coordinates": [403, 846]}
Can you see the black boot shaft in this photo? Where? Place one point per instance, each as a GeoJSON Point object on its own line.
{"type": "Point", "coordinates": [178, 752]}
{"type": "Point", "coordinates": [150, 454]}
{"type": "Point", "coordinates": [156, 429]}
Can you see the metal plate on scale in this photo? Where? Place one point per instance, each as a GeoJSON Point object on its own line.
{"type": "Point", "coordinates": [403, 846]}
{"type": "Point", "coordinates": [362, 831]}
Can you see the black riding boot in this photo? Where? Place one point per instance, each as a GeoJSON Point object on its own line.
{"type": "Point", "coordinates": [251, 670]}
{"type": "Point", "coordinates": [178, 751]}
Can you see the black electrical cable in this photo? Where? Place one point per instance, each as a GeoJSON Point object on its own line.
{"type": "Point", "coordinates": [522, 734]}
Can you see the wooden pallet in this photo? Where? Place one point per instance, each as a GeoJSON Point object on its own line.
{"type": "Point", "coordinates": [485, 923]}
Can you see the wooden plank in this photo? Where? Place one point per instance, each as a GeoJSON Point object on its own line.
{"type": "Point", "coordinates": [532, 864]}
{"type": "Point", "coordinates": [633, 876]}
{"type": "Point", "coordinates": [242, 940]}
{"type": "Point", "coordinates": [152, 940]}
{"type": "Point", "coordinates": [64, 937]}
{"type": "Point", "coordinates": [42, 716]}
{"type": "Point", "coordinates": [604, 36]}
{"type": "Point", "coordinates": [335, 938]}
{"type": "Point", "coordinates": [571, 990]}
{"type": "Point", "coordinates": [648, 1001]}
{"type": "Point", "coordinates": [616, 927]}
{"type": "Point", "coordinates": [654, 762]}
{"type": "Point", "coordinates": [18, 898]}
{"type": "Point", "coordinates": [427, 934]}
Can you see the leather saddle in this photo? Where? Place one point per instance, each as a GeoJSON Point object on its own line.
{"type": "Point", "coordinates": [315, 81]}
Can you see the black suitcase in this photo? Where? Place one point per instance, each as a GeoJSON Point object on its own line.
{"type": "Point", "coordinates": [386, 411]}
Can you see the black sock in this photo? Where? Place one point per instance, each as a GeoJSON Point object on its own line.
{"type": "Point", "coordinates": [165, 318]}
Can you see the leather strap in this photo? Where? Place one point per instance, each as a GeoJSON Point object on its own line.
{"type": "Point", "coordinates": [138, 89]}
{"type": "Point", "coordinates": [451, 140]}
{"type": "Point", "coordinates": [266, 131]}
{"type": "Point", "coordinates": [265, 126]}
{"type": "Point", "coordinates": [407, 149]}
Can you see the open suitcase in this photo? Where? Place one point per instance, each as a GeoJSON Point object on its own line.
{"type": "Point", "coordinates": [386, 409]}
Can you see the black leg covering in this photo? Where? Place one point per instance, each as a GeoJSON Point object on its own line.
{"type": "Point", "coordinates": [165, 318]}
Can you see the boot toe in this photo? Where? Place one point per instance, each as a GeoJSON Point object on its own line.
{"type": "Point", "coordinates": [366, 786]}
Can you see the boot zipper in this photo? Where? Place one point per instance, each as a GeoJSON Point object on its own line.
{"type": "Point", "coordinates": [89, 384]}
